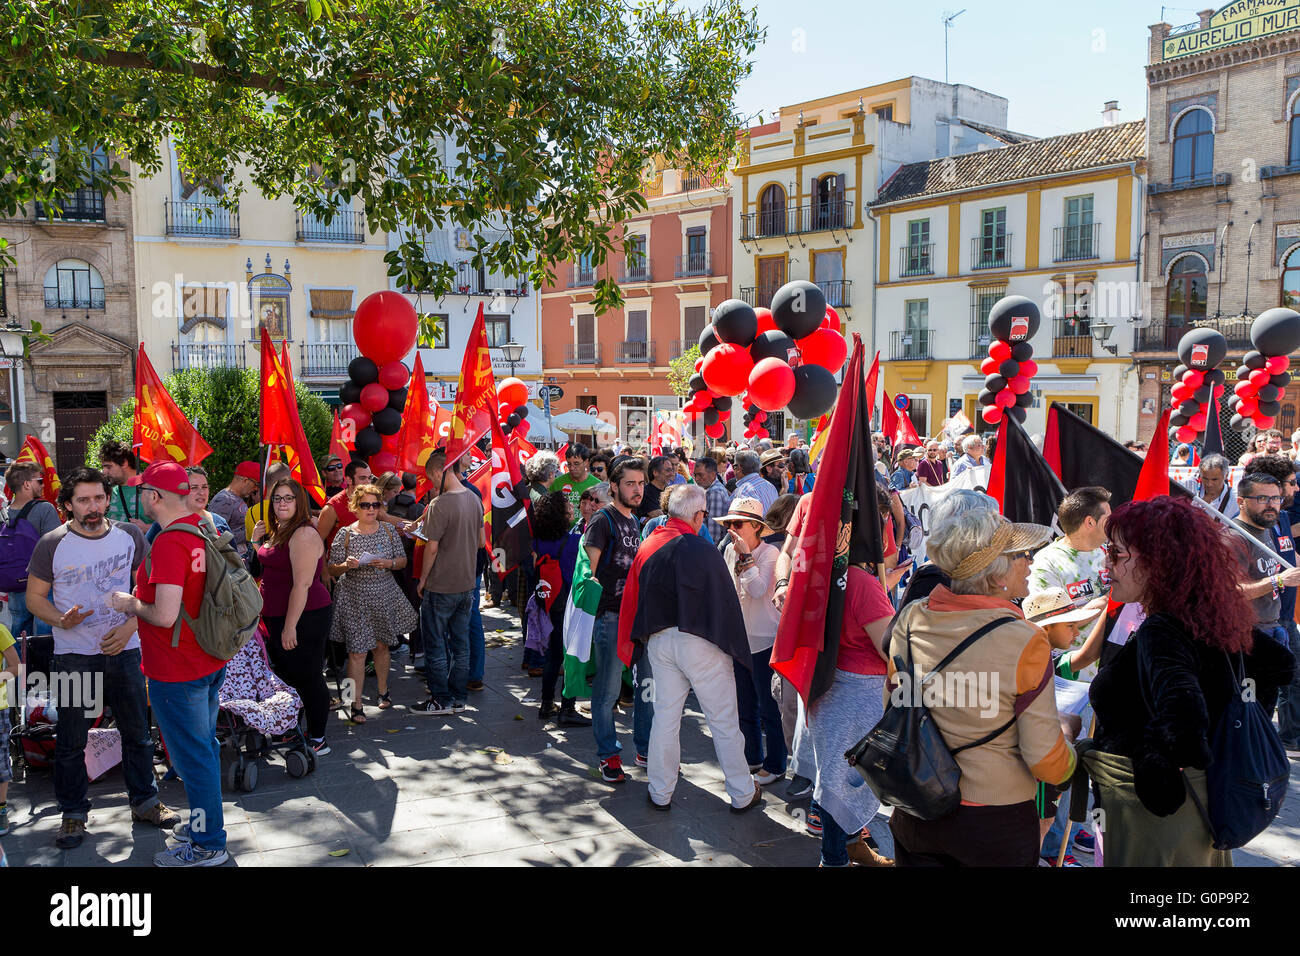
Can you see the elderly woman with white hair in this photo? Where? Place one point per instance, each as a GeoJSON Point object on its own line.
{"type": "Point", "coordinates": [539, 472]}
{"type": "Point", "coordinates": [972, 447]}
{"type": "Point", "coordinates": [985, 672]}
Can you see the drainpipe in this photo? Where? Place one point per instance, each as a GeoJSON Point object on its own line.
{"type": "Point", "coordinates": [1132, 367]}
{"type": "Point", "coordinates": [1250, 236]}
{"type": "Point", "coordinates": [875, 248]}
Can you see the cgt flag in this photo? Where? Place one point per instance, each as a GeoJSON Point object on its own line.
{"type": "Point", "coordinates": [476, 395]}
{"type": "Point", "coordinates": [843, 527]}
{"type": "Point", "coordinates": [35, 452]}
{"type": "Point", "coordinates": [161, 431]}
{"type": "Point", "coordinates": [1025, 488]}
{"type": "Point", "coordinates": [512, 540]}
{"type": "Point", "coordinates": [1082, 455]}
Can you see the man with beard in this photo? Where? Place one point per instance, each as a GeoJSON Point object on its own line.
{"type": "Point", "coordinates": [73, 570]}
{"type": "Point", "coordinates": [119, 464]}
{"type": "Point", "coordinates": [612, 538]}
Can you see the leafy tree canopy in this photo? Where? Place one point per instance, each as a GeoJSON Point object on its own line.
{"type": "Point", "coordinates": [681, 369]}
{"type": "Point", "coordinates": [536, 118]}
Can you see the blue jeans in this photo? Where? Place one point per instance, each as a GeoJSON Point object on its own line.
{"type": "Point", "coordinates": [606, 685]}
{"type": "Point", "coordinates": [118, 682]}
{"type": "Point", "coordinates": [760, 715]}
{"type": "Point", "coordinates": [835, 842]}
{"type": "Point", "coordinates": [643, 708]}
{"type": "Point", "coordinates": [445, 618]}
{"type": "Point", "coordinates": [21, 619]}
{"type": "Point", "coordinates": [477, 644]}
{"type": "Point", "coordinates": [1288, 698]}
{"type": "Point", "coordinates": [187, 716]}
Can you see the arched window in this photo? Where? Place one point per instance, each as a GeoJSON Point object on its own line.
{"type": "Point", "coordinates": [1291, 277]}
{"type": "Point", "coordinates": [1194, 147]}
{"type": "Point", "coordinates": [828, 197]}
{"type": "Point", "coordinates": [771, 211]}
{"type": "Point", "coordinates": [1293, 150]}
{"type": "Point", "coordinates": [73, 284]}
{"type": "Point", "coordinates": [1185, 302]}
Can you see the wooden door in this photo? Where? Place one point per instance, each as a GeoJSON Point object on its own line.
{"type": "Point", "coordinates": [77, 416]}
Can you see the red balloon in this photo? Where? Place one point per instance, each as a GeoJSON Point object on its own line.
{"type": "Point", "coordinates": [1006, 398]}
{"type": "Point", "coordinates": [1000, 350]}
{"type": "Point", "coordinates": [394, 375]}
{"type": "Point", "coordinates": [832, 321]}
{"type": "Point", "coordinates": [765, 321]}
{"type": "Point", "coordinates": [1187, 433]}
{"type": "Point", "coordinates": [384, 327]}
{"type": "Point", "coordinates": [761, 417]}
{"type": "Point", "coordinates": [512, 390]}
{"type": "Point", "coordinates": [989, 366]}
{"type": "Point", "coordinates": [762, 433]}
{"type": "Point", "coordinates": [1181, 392]}
{"type": "Point", "coordinates": [1245, 387]}
{"type": "Point", "coordinates": [383, 461]}
{"type": "Point", "coordinates": [717, 428]}
{"type": "Point", "coordinates": [698, 363]}
{"type": "Point", "coordinates": [1218, 390]}
{"type": "Point", "coordinates": [1275, 365]}
{"type": "Point", "coordinates": [1260, 377]}
{"type": "Point", "coordinates": [825, 347]}
{"type": "Point", "coordinates": [392, 443]}
{"type": "Point", "coordinates": [1198, 421]}
{"type": "Point", "coordinates": [1193, 378]}
{"type": "Point", "coordinates": [1248, 408]}
{"type": "Point", "coordinates": [359, 415]}
{"type": "Point", "coordinates": [771, 384]}
{"type": "Point", "coordinates": [1264, 421]}
{"type": "Point", "coordinates": [726, 369]}
{"type": "Point", "coordinates": [503, 410]}
{"type": "Point", "coordinates": [992, 414]}
{"type": "Point", "coordinates": [1019, 384]}
{"type": "Point", "coordinates": [1029, 367]}
{"type": "Point", "coordinates": [374, 397]}
{"type": "Point", "coordinates": [523, 428]}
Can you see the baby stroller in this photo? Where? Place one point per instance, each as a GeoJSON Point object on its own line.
{"type": "Point", "coordinates": [258, 716]}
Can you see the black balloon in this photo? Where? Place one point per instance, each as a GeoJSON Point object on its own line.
{"type": "Point", "coordinates": [1203, 393]}
{"type": "Point", "coordinates": [710, 417]}
{"type": "Point", "coordinates": [1022, 351]}
{"type": "Point", "coordinates": [1018, 413]}
{"type": "Point", "coordinates": [696, 383]}
{"type": "Point", "coordinates": [349, 393]}
{"type": "Point", "coordinates": [1009, 369]}
{"type": "Point", "coordinates": [814, 392]}
{"type": "Point", "coordinates": [995, 382]}
{"type": "Point", "coordinates": [513, 420]}
{"type": "Point", "coordinates": [1179, 372]}
{"type": "Point", "coordinates": [363, 371]}
{"type": "Point", "coordinates": [1268, 393]}
{"type": "Point", "coordinates": [507, 428]}
{"type": "Point", "coordinates": [1243, 372]}
{"type": "Point", "coordinates": [986, 396]}
{"type": "Point", "coordinates": [387, 421]}
{"type": "Point", "coordinates": [1239, 423]}
{"type": "Point", "coordinates": [1216, 376]}
{"type": "Point", "coordinates": [708, 340]}
{"type": "Point", "coordinates": [1014, 318]}
{"type": "Point", "coordinates": [1025, 399]}
{"type": "Point", "coordinates": [1281, 379]}
{"type": "Point", "coordinates": [1253, 360]}
{"type": "Point", "coordinates": [734, 321]}
{"type": "Point", "coordinates": [368, 441]}
{"type": "Point", "coordinates": [1271, 409]}
{"type": "Point", "coordinates": [1276, 331]}
{"type": "Point", "coordinates": [1178, 420]}
{"type": "Point", "coordinates": [522, 411]}
{"type": "Point", "coordinates": [1189, 408]}
{"type": "Point", "coordinates": [397, 399]}
{"type": "Point", "coordinates": [772, 344]}
{"type": "Point", "coordinates": [722, 403]}
{"type": "Point", "coordinates": [798, 308]}
{"type": "Point", "coordinates": [1202, 349]}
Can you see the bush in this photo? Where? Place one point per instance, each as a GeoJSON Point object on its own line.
{"type": "Point", "coordinates": [223, 405]}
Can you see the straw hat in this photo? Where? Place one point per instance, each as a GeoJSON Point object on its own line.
{"type": "Point", "coordinates": [1054, 606]}
{"type": "Point", "coordinates": [746, 509]}
{"type": "Point", "coordinates": [1009, 538]}
{"type": "Point", "coordinates": [771, 457]}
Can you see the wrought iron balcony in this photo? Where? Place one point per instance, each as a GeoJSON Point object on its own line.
{"type": "Point", "coordinates": [1162, 335]}
{"type": "Point", "coordinates": [916, 260]}
{"type": "Point", "coordinates": [794, 220]}
{"type": "Point", "coordinates": [206, 355]}
{"type": "Point", "coordinates": [579, 277]}
{"type": "Point", "coordinates": [635, 272]}
{"type": "Point", "coordinates": [910, 345]}
{"type": "Point", "coordinates": [1190, 182]}
{"type": "Point", "coordinates": [682, 346]}
{"type": "Point", "coordinates": [582, 353]}
{"type": "Point", "coordinates": [207, 219]}
{"type": "Point", "coordinates": [758, 296]}
{"type": "Point", "coordinates": [991, 252]}
{"type": "Point", "coordinates": [347, 226]}
{"type": "Point", "coordinates": [326, 358]}
{"type": "Point", "coordinates": [632, 352]}
{"type": "Point", "coordinates": [1072, 337]}
{"type": "Point", "coordinates": [694, 264]}
{"type": "Point", "coordinates": [91, 299]}
{"type": "Point", "coordinates": [1070, 243]}
{"type": "Point", "coordinates": [85, 205]}
{"type": "Point", "coordinates": [836, 292]}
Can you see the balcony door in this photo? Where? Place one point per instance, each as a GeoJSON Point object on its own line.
{"type": "Point", "coordinates": [771, 276]}
{"type": "Point", "coordinates": [1078, 228]}
{"type": "Point", "coordinates": [1186, 299]}
{"type": "Point", "coordinates": [585, 350]}
{"type": "Point", "coordinates": [828, 274]}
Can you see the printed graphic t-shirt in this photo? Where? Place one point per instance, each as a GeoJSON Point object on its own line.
{"type": "Point", "coordinates": [1082, 574]}
{"type": "Point", "coordinates": [175, 560]}
{"type": "Point", "coordinates": [573, 490]}
{"type": "Point", "coordinates": [618, 538]}
{"type": "Point", "coordinates": [1258, 566]}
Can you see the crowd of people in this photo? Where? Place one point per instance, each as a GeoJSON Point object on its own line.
{"type": "Point", "coordinates": [692, 561]}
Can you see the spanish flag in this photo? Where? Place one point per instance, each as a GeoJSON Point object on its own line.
{"type": "Point", "coordinates": [161, 430]}
{"type": "Point", "coordinates": [35, 452]}
{"type": "Point", "coordinates": [281, 425]}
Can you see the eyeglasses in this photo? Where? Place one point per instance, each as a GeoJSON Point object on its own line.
{"type": "Point", "coordinates": [282, 499]}
{"type": "Point", "coordinates": [1017, 555]}
{"type": "Point", "coordinates": [368, 505]}
{"type": "Point", "coordinates": [1264, 499]}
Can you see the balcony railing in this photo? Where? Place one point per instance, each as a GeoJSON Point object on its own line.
{"type": "Point", "coordinates": [582, 353]}
{"type": "Point", "coordinates": [836, 292]}
{"type": "Point", "coordinates": [85, 205]}
{"type": "Point", "coordinates": [793, 220]}
{"type": "Point", "coordinates": [636, 353]}
{"type": "Point", "coordinates": [637, 272]}
{"type": "Point", "coordinates": [1190, 182]}
{"type": "Point", "coordinates": [682, 346]}
{"type": "Point", "coordinates": [326, 358]}
{"type": "Point", "coordinates": [206, 219]}
{"type": "Point", "coordinates": [910, 345]}
{"type": "Point", "coordinates": [760, 296]}
{"type": "Point", "coordinates": [1163, 335]}
{"type": "Point", "coordinates": [469, 282]}
{"type": "Point", "coordinates": [206, 355]}
{"type": "Point", "coordinates": [690, 183]}
{"type": "Point", "coordinates": [991, 252]}
{"type": "Point", "coordinates": [579, 277]}
{"type": "Point", "coordinates": [916, 260]}
{"type": "Point", "coordinates": [347, 226]}
{"type": "Point", "coordinates": [1070, 243]}
{"type": "Point", "coordinates": [1272, 172]}
{"type": "Point", "coordinates": [54, 299]}
{"type": "Point", "coordinates": [694, 264]}
{"type": "Point", "coordinates": [1072, 338]}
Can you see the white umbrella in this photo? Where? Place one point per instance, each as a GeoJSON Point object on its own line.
{"type": "Point", "coordinates": [539, 433]}
{"type": "Point", "coordinates": [577, 421]}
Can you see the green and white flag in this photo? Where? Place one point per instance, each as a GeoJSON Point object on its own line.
{"type": "Point", "coordinates": [579, 622]}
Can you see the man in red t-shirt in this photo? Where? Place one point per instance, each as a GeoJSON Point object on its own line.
{"type": "Point", "coordinates": [183, 678]}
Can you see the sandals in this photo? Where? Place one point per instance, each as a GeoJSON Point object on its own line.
{"type": "Point", "coordinates": [385, 701]}
{"type": "Point", "coordinates": [357, 714]}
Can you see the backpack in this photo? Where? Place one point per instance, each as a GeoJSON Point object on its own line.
{"type": "Point", "coordinates": [1246, 780]}
{"type": "Point", "coordinates": [18, 540]}
{"type": "Point", "coordinates": [232, 602]}
{"type": "Point", "coordinates": [904, 758]}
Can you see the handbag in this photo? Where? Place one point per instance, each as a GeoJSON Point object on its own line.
{"type": "Point", "coordinates": [904, 758]}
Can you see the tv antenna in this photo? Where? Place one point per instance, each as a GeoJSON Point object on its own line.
{"type": "Point", "coordinates": [947, 25]}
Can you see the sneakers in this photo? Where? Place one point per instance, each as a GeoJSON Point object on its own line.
{"type": "Point", "coordinates": [433, 707]}
{"type": "Point", "coordinates": [611, 770]}
{"type": "Point", "coordinates": [641, 760]}
{"type": "Point", "coordinates": [548, 711]}
{"type": "Point", "coordinates": [799, 788]}
{"type": "Point", "coordinates": [187, 854]}
{"type": "Point", "coordinates": [1085, 841]}
{"type": "Point", "coordinates": [755, 801]}
{"type": "Point", "coordinates": [813, 822]}
{"type": "Point", "coordinates": [657, 806]}
{"type": "Point", "coordinates": [1069, 861]}
{"type": "Point", "coordinates": [4, 820]}
{"type": "Point", "coordinates": [755, 768]}
{"type": "Point", "coordinates": [569, 717]}
{"type": "Point", "coordinates": [71, 833]}
{"type": "Point", "coordinates": [763, 778]}
{"type": "Point", "coordinates": [181, 833]}
{"type": "Point", "coordinates": [159, 815]}
{"type": "Point", "coordinates": [319, 746]}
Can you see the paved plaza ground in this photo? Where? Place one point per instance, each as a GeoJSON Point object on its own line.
{"type": "Point", "coordinates": [491, 787]}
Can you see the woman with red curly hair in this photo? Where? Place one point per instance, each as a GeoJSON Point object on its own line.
{"type": "Point", "coordinates": [1162, 695]}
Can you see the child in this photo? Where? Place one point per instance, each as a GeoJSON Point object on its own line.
{"type": "Point", "coordinates": [9, 671]}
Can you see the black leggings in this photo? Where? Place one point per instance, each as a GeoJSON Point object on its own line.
{"type": "Point", "coordinates": [303, 668]}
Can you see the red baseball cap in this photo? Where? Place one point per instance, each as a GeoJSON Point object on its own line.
{"type": "Point", "coordinates": [248, 469]}
{"type": "Point", "coordinates": [164, 476]}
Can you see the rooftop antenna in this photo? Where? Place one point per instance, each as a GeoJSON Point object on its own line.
{"type": "Point", "coordinates": [947, 25]}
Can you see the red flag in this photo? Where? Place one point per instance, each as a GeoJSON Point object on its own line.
{"type": "Point", "coordinates": [1082, 454]}
{"type": "Point", "coordinates": [284, 359]}
{"type": "Point", "coordinates": [1153, 479]}
{"type": "Point", "coordinates": [873, 378]}
{"type": "Point", "coordinates": [521, 448]}
{"type": "Point", "coordinates": [441, 425]}
{"type": "Point", "coordinates": [339, 448]}
{"type": "Point", "coordinates": [161, 429]}
{"type": "Point", "coordinates": [417, 437]}
{"type": "Point", "coordinates": [1021, 482]}
{"type": "Point", "coordinates": [481, 478]}
{"type": "Point", "coordinates": [563, 455]}
{"type": "Point", "coordinates": [35, 452]}
{"type": "Point", "coordinates": [898, 426]}
{"type": "Point", "coordinates": [510, 536]}
{"type": "Point", "coordinates": [280, 422]}
{"type": "Point", "coordinates": [476, 395]}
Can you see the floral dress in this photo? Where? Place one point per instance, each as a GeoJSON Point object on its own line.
{"type": "Point", "coordinates": [369, 604]}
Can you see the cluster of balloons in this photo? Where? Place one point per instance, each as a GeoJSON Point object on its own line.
{"type": "Point", "coordinates": [1010, 367]}
{"type": "Point", "coordinates": [1264, 372]}
{"type": "Point", "coordinates": [754, 419]}
{"type": "Point", "coordinates": [782, 357]}
{"type": "Point", "coordinates": [384, 328]}
{"type": "Point", "coordinates": [1200, 381]}
{"type": "Point", "coordinates": [512, 406]}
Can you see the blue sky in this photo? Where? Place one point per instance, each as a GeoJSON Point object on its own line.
{"type": "Point", "coordinates": [1055, 62]}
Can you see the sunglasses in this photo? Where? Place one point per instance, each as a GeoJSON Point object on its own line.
{"type": "Point", "coordinates": [1017, 555]}
{"type": "Point", "coordinates": [368, 505]}
{"type": "Point", "coordinates": [334, 468]}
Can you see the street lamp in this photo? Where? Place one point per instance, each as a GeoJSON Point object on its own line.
{"type": "Point", "coordinates": [1101, 330]}
{"type": "Point", "coordinates": [513, 353]}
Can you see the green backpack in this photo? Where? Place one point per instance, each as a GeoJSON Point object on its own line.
{"type": "Point", "coordinates": [232, 602]}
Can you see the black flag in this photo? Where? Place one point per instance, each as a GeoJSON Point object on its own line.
{"type": "Point", "coordinates": [1083, 455]}
{"type": "Point", "coordinates": [1025, 487]}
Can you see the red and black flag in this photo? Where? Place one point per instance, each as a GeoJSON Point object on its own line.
{"type": "Point", "coordinates": [1083, 455]}
{"type": "Point", "coordinates": [843, 527]}
{"type": "Point", "coordinates": [512, 540]}
{"type": "Point", "coordinates": [1025, 488]}
{"type": "Point", "coordinates": [1213, 441]}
